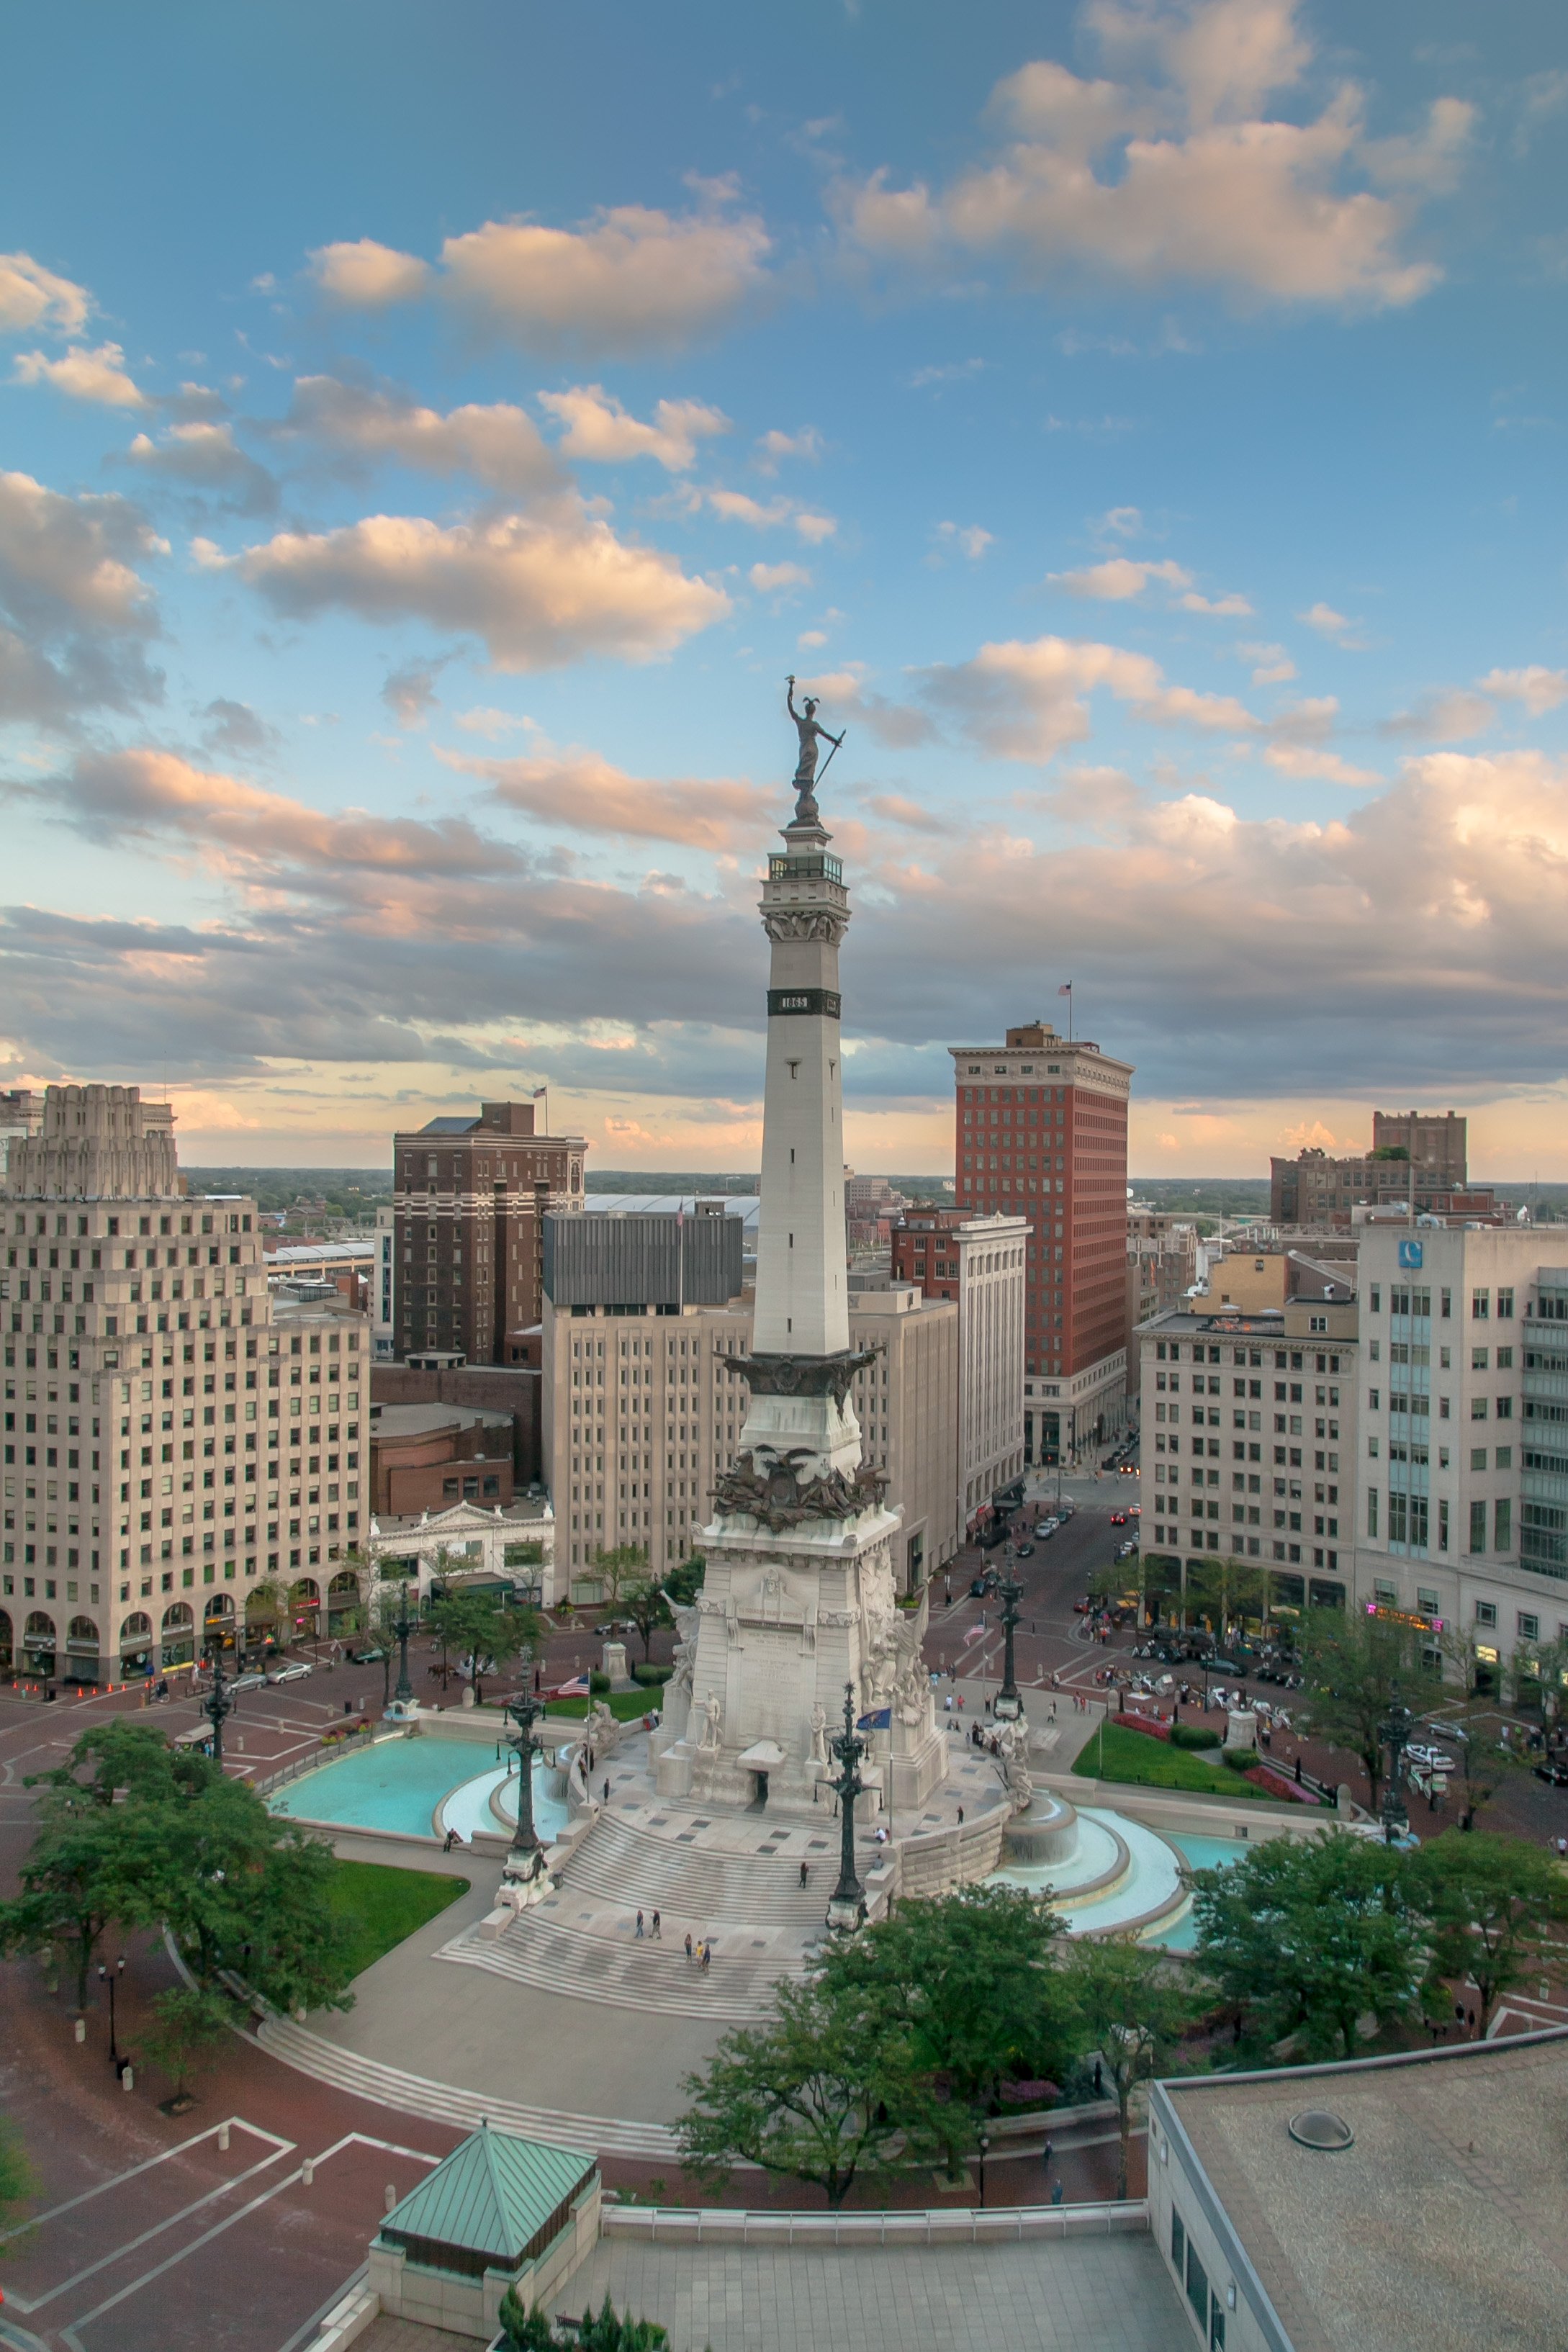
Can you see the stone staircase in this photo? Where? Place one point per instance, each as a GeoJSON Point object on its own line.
{"type": "Point", "coordinates": [750, 1906]}
{"type": "Point", "coordinates": [415, 2094]}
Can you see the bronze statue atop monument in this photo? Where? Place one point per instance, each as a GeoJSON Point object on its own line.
{"type": "Point", "coordinates": [811, 734]}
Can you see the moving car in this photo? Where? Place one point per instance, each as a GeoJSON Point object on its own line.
{"type": "Point", "coordinates": [1023, 1552]}
{"type": "Point", "coordinates": [366, 1657]}
{"type": "Point", "coordinates": [978, 1587]}
{"type": "Point", "coordinates": [1118, 1518]}
{"type": "Point", "coordinates": [251, 1681]}
{"type": "Point", "coordinates": [1554, 1771]}
{"type": "Point", "coordinates": [295, 1672]}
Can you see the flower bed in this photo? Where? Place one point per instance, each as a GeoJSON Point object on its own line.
{"type": "Point", "coordinates": [1156, 1730]}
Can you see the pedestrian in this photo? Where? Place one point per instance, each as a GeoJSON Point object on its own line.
{"type": "Point", "coordinates": [707, 1956]}
{"type": "Point", "coordinates": [451, 1835]}
{"type": "Point", "coordinates": [689, 1944]}
{"type": "Point", "coordinates": [961, 1817]}
{"type": "Point", "coordinates": [606, 1787]}
{"type": "Point", "coordinates": [1563, 1849]}
{"type": "Point", "coordinates": [1098, 2079]}
{"type": "Point", "coordinates": [804, 1871]}
{"type": "Point", "coordinates": [639, 1926]}
{"type": "Point", "coordinates": [655, 1929]}
{"type": "Point", "coordinates": [1056, 2192]}
{"type": "Point", "coordinates": [1297, 1771]}
{"type": "Point", "coordinates": [960, 1702]}
{"type": "Point", "coordinates": [1048, 2152]}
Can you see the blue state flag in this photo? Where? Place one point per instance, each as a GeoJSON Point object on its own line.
{"type": "Point", "coordinates": [880, 1719]}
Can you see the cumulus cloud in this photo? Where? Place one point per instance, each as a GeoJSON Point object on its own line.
{"type": "Point", "coordinates": [774, 447]}
{"type": "Point", "coordinates": [735, 506]}
{"type": "Point", "coordinates": [537, 593]}
{"type": "Point", "coordinates": [498, 444]}
{"type": "Point", "coordinates": [1537, 688]}
{"type": "Point", "coordinates": [233, 731]}
{"type": "Point", "coordinates": [1231, 608]}
{"type": "Point", "coordinates": [968, 538]}
{"type": "Point", "coordinates": [409, 691]}
{"type": "Point", "coordinates": [583, 792]}
{"type": "Point", "coordinates": [1019, 701]}
{"type": "Point", "coordinates": [1329, 623]}
{"type": "Point", "coordinates": [599, 429]}
{"type": "Point", "coordinates": [33, 298]}
{"type": "Point", "coordinates": [75, 613]}
{"type": "Point", "coordinates": [1176, 170]}
{"type": "Point", "coordinates": [1274, 665]}
{"type": "Point", "coordinates": [768, 579]}
{"type": "Point", "coordinates": [1444, 718]}
{"type": "Point", "coordinates": [631, 280]}
{"type": "Point", "coordinates": [98, 375]}
{"type": "Point", "coordinates": [1120, 578]}
{"type": "Point", "coordinates": [1308, 763]}
{"type": "Point", "coordinates": [204, 458]}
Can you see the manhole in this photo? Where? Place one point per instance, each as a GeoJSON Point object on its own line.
{"type": "Point", "coordinates": [1316, 2128]}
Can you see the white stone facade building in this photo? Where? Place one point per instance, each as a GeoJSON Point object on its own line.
{"type": "Point", "coordinates": [992, 1291]}
{"type": "Point", "coordinates": [172, 1435]}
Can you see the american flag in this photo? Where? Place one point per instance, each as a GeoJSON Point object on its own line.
{"type": "Point", "coordinates": [1065, 988]}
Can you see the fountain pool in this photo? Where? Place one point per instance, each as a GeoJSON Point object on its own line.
{"type": "Point", "coordinates": [418, 1787]}
{"type": "Point", "coordinates": [1104, 1871]}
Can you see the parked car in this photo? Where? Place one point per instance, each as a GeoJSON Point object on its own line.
{"type": "Point", "coordinates": [1023, 1552]}
{"type": "Point", "coordinates": [1048, 1527]}
{"type": "Point", "coordinates": [1081, 1608]}
{"type": "Point", "coordinates": [251, 1681]}
{"type": "Point", "coordinates": [1553, 1770]}
{"type": "Point", "coordinates": [294, 1672]}
{"type": "Point", "coordinates": [367, 1657]}
{"type": "Point", "coordinates": [977, 1588]}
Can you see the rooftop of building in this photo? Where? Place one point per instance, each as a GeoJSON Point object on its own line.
{"type": "Point", "coordinates": [1441, 2222]}
{"type": "Point", "coordinates": [747, 1206]}
{"type": "Point", "coordinates": [527, 1511]}
{"type": "Point", "coordinates": [290, 1253]}
{"type": "Point", "coordinates": [395, 1421]}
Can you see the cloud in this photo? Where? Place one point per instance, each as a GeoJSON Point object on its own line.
{"type": "Point", "coordinates": [1444, 718]}
{"type": "Point", "coordinates": [1177, 173]}
{"type": "Point", "coordinates": [774, 447]}
{"type": "Point", "coordinates": [629, 280]}
{"type": "Point", "coordinates": [894, 809]}
{"type": "Point", "coordinates": [1118, 578]}
{"type": "Point", "coordinates": [1231, 608]}
{"type": "Point", "coordinates": [33, 298]}
{"type": "Point", "coordinates": [969, 538]}
{"type": "Point", "coordinates": [489, 722]}
{"type": "Point", "coordinates": [75, 613]}
{"type": "Point", "coordinates": [81, 375]}
{"type": "Point", "coordinates": [538, 593]}
{"type": "Point", "coordinates": [1018, 701]}
{"type": "Point", "coordinates": [768, 579]}
{"type": "Point", "coordinates": [1274, 664]}
{"type": "Point", "coordinates": [598, 428]}
{"type": "Point", "coordinates": [586, 793]}
{"type": "Point", "coordinates": [1308, 764]}
{"type": "Point", "coordinates": [1329, 623]}
{"type": "Point", "coordinates": [409, 691]}
{"type": "Point", "coordinates": [735, 506]}
{"type": "Point", "coordinates": [235, 731]}
{"type": "Point", "coordinates": [203, 458]}
{"type": "Point", "coordinates": [364, 276]}
{"type": "Point", "coordinates": [1537, 688]}
{"type": "Point", "coordinates": [498, 444]}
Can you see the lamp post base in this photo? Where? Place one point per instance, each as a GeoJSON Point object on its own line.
{"type": "Point", "coordinates": [1008, 1707]}
{"type": "Point", "coordinates": [847, 1913]}
{"type": "Point", "coordinates": [526, 1876]}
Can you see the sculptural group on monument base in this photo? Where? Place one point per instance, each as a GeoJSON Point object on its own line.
{"type": "Point", "coordinates": [767, 1486]}
{"type": "Point", "coordinates": [1012, 1741]}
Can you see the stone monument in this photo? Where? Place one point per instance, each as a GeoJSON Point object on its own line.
{"type": "Point", "coordinates": [800, 1598]}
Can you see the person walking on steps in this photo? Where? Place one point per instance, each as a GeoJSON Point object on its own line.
{"type": "Point", "coordinates": [639, 1926]}
{"type": "Point", "coordinates": [804, 1873]}
{"type": "Point", "coordinates": [655, 1929]}
{"type": "Point", "coordinates": [688, 1944]}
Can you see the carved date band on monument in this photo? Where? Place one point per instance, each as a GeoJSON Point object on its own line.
{"type": "Point", "coordinates": [821, 1004]}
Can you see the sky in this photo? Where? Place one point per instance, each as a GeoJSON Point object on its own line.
{"type": "Point", "coordinates": [430, 438]}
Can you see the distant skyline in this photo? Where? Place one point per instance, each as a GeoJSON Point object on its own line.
{"type": "Point", "coordinates": [430, 440]}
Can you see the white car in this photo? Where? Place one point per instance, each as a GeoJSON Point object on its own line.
{"type": "Point", "coordinates": [1048, 1527]}
{"type": "Point", "coordinates": [294, 1672]}
{"type": "Point", "coordinates": [1430, 1760]}
{"type": "Point", "coordinates": [252, 1681]}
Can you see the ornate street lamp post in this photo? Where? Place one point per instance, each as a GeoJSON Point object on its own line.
{"type": "Point", "coordinates": [1007, 1703]}
{"type": "Point", "coordinates": [218, 1704]}
{"type": "Point", "coordinates": [403, 1625]}
{"type": "Point", "coordinates": [847, 1906]}
{"type": "Point", "coordinates": [525, 1857]}
{"type": "Point", "coordinates": [1394, 1735]}
{"type": "Point", "coordinates": [110, 1977]}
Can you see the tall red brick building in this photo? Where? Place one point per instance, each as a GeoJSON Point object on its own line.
{"type": "Point", "coordinates": [469, 1202]}
{"type": "Point", "coordinates": [1041, 1131]}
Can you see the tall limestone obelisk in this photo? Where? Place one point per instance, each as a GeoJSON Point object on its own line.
{"type": "Point", "coordinates": [799, 1596]}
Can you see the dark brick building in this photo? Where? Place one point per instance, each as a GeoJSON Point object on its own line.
{"type": "Point", "coordinates": [470, 1199]}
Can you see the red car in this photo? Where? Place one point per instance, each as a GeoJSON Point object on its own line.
{"type": "Point", "coordinates": [1118, 1518]}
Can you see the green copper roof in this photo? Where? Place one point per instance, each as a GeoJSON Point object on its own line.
{"type": "Point", "coordinates": [491, 2195]}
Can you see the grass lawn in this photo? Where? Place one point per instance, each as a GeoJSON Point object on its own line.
{"type": "Point", "coordinates": [1133, 1756]}
{"type": "Point", "coordinates": [382, 1905]}
{"type": "Point", "coordinates": [625, 1706]}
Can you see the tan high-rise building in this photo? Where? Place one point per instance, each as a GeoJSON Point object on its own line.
{"type": "Point", "coordinates": [174, 1435]}
{"type": "Point", "coordinates": [471, 1196]}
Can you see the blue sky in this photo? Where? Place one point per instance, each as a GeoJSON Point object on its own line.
{"type": "Point", "coordinates": [431, 435]}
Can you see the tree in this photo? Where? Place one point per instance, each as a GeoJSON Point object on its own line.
{"type": "Point", "coordinates": [1305, 1940]}
{"type": "Point", "coordinates": [18, 2181]}
{"type": "Point", "coordinates": [1135, 2009]}
{"type": "Point", "coordinates": [622, 1566]}
{"type": "Point", "coordinates": [190, 2026]}
{"type": "Point", "coordinates": [472, 1624]}
{"type": "Point", "coordinates": [1489, 1900]}
{"type": "Point", "coordinates": [1350, 1664]}
{"type": "Point", "coordinates": [972, 1979]}
{"type": "Point", "coordinates": [1472, 1734]}
{"type": "Point", "coordinates": [644, 1604]}
{"type": "Point", "coordinates": [821, 2092]}
{"type": "Point", "coordinates": [684, 1583]}
{"type": "Point", "coordinates": [525, 2328]}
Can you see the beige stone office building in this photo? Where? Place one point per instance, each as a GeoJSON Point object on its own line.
{"type": "Point", "coordinates": [992, 1301]}
{"type": "Point", "coordinates": [641, 1412]}
{"type": "Point", "coordinates": [173, 1434]}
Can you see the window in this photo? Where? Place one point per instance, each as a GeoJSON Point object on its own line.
{"type": "Point", "coordinates": [1527, 1626]}
{"type": "Point", "coordinates": [1478, 1408]}
{"type": "Point", "coordinates": [1178, 2245]}
{"type": "Point", "coordinates": [1486, 1612]}
{"type": "Point", "coordinates": [1481, 1306]}
{"type": "Point", "coordinates": [1478, 1359]}
{"type": "Point", "coordinates": [1198, 2286]}
{"type": "Point", "coordinates": [1504, 1308]}
{"type": "Point", "coordinates": [1505, 1407]}
{"type": "Point", "coordinates": [1378, 1298]}
{"type": "Point", "coordinates": [1477, 1526]}
{"type": "Point", "coordinates": [1371, 1512]}
{"type": "Point", "coordinates": [1398, 1515]}
{"type": "Point", "coordinates": [1502, 1525]}
{"type": "Point", "coordinates": [1504, 1357]}
{"type": "Point", "coordinates": [1444, 1302]}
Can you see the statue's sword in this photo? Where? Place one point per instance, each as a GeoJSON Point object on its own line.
{"type": "Point", "coordinates": [828, 761]}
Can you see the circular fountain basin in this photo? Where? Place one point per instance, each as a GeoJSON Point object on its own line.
{"type": "Point", "coordinates": [1047, 1832]}
{"type": "Point", "coordinates": [1119, 1875]}
{"type": "Point", "coordinates": [487, 1803]}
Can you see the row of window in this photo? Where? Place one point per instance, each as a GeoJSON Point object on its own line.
{"type": "Point", "coordinates": [1292, 1360]}
{"type": "Point", "coordinates": [1407, 1519]}
{"type": "Point", "coordinates": [1417, 1304]}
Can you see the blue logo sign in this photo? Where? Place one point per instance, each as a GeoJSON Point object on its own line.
{"type": "Point", "coordinates": [1410, 1255]}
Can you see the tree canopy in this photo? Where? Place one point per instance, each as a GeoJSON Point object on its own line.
{"type": "Point", "coordinates": [1350, 1664]}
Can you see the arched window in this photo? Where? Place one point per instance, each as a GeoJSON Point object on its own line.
{"type": "Point", "coordinates": [346, 1582]}
{"type": "Point", "coordinates": [177, 1618]}
{"type": "Point", "coordinates": [304, 1592]}
{"type": "Point", "coordinates": [41, 1629]}
{"type": "Point", "coordinates": [135, 1631]}
{"type": "Point", "coordinates": [82, 1633]}
{"type": "Point", "coordinates": [219, 1604]}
